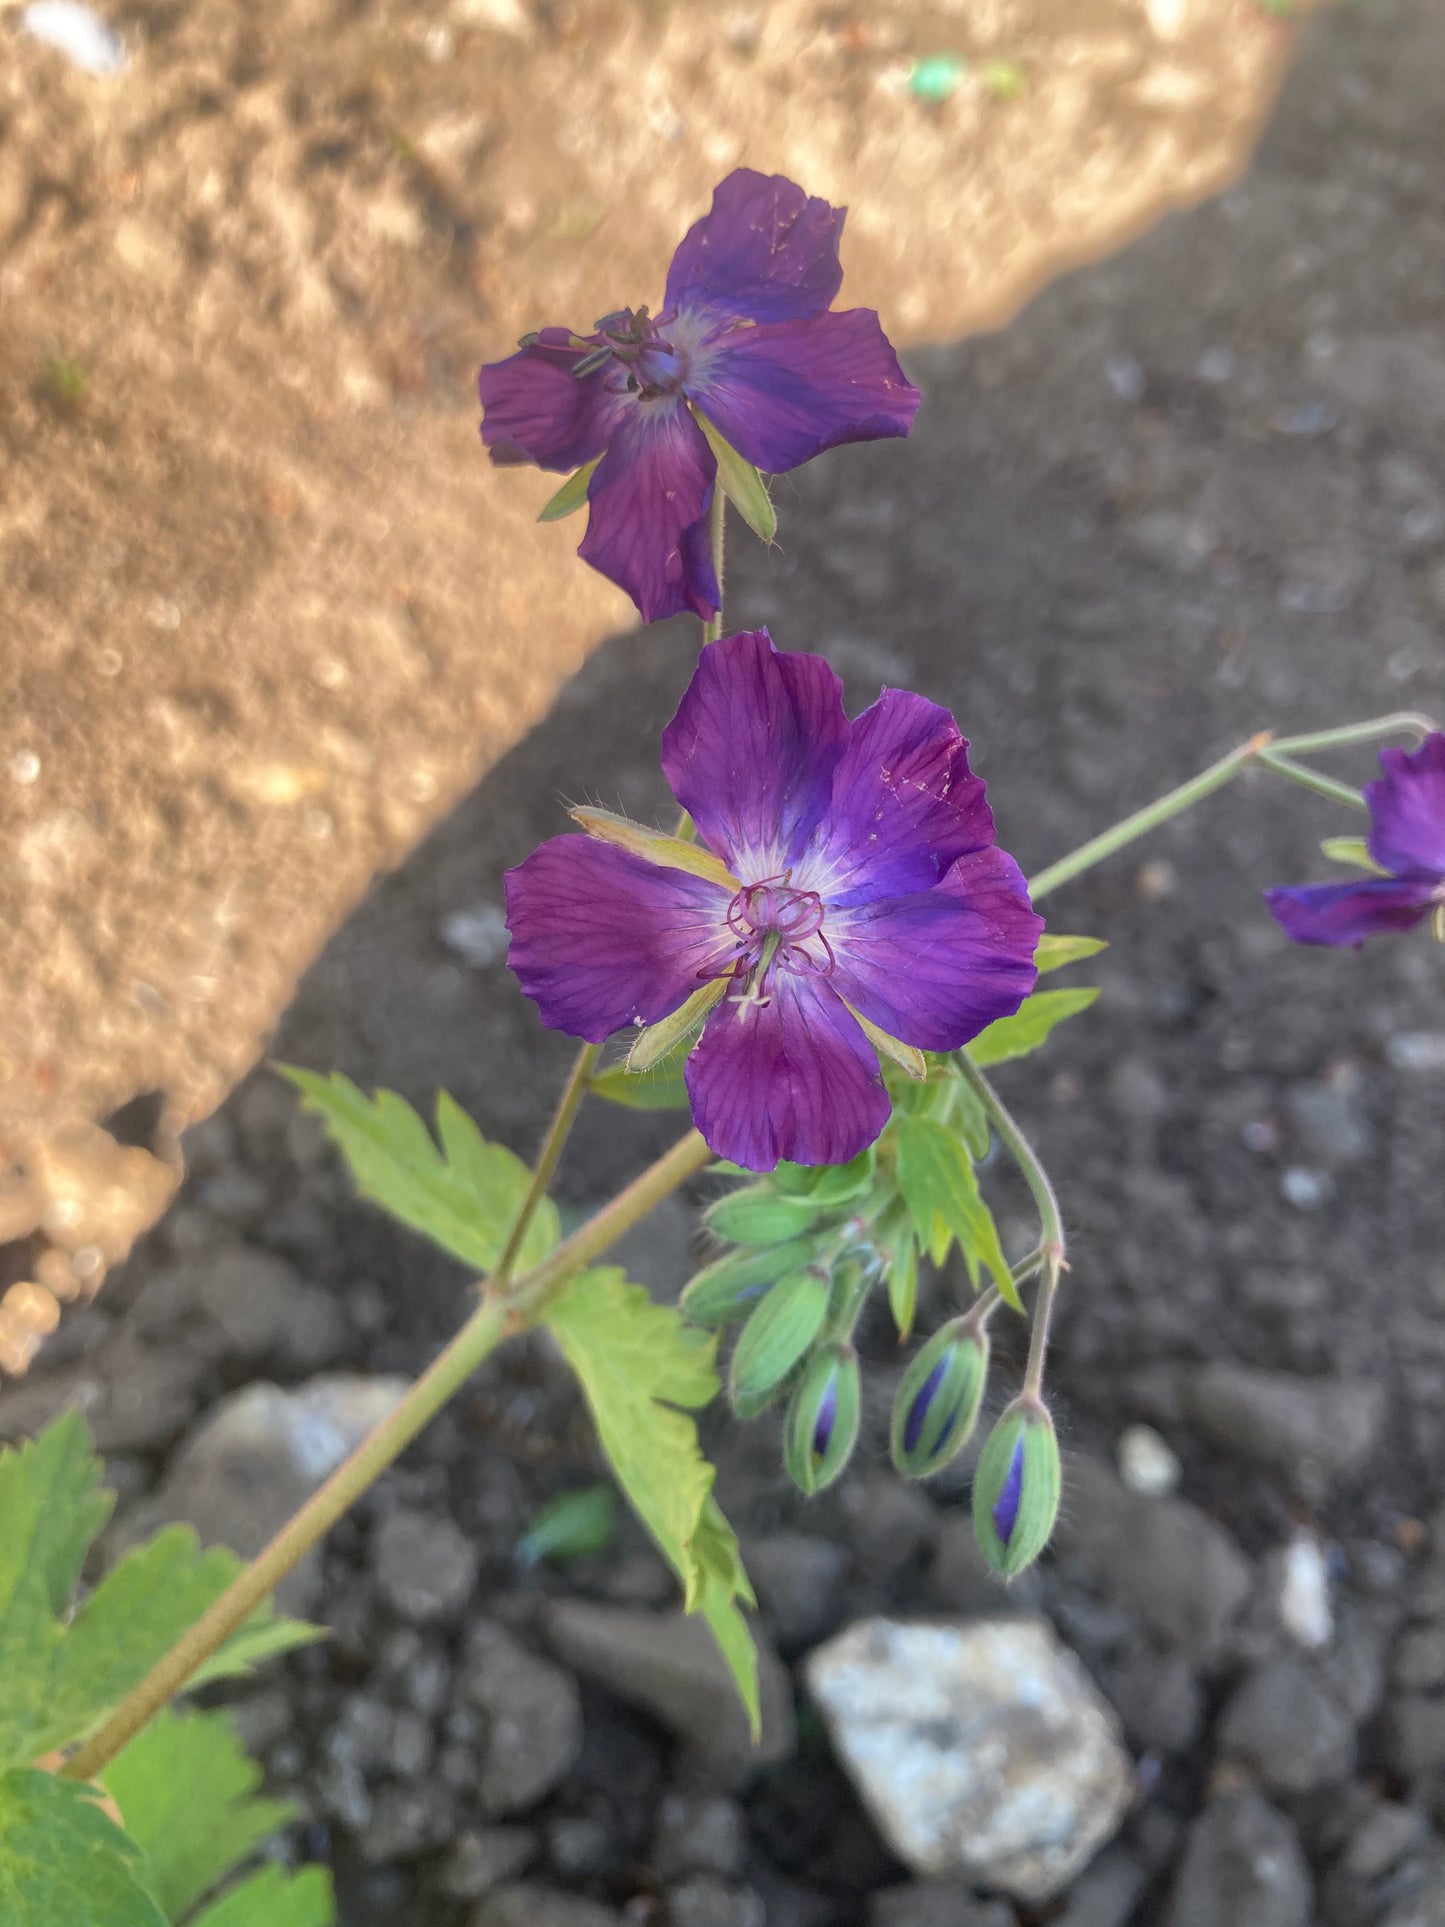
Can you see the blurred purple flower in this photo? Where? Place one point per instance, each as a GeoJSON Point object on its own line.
{"type": "Point", "coordinates": [853, 880]}
{"type": "Point", "coordinates": [1407, 846]}
{"type": "Point", "coordinates": [745, 338]}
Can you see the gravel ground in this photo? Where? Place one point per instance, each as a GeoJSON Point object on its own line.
{"type": "Point", "coordinates": [1193, 492]}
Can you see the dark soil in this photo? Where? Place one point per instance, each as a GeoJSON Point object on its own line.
{"type": "Point", "coordinates": [1197, 491]}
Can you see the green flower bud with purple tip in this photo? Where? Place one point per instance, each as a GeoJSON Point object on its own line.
{"type": "Point", "coordinates": [938, 1399]}
{"type": "Point", "coordinates": [731, 1286]}
{"type": "Point", "coordinates": [1016, 1487]}
{"type": "Point", "coordinates": [775, 1340]}
{"type": "Point", "coordinates": [821, 1427]}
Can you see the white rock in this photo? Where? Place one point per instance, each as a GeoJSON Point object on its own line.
{"type": "Point", "coordinates": [1148, 1463]}
{"type": "Point", "coordinates": [77, 33]}
{"type": "Point", "coordinates": [1305, 1611]}
{"type": "Point", "coordinates": [980, 1747]}
{"type": "Point", "coordinates": [478, 936]}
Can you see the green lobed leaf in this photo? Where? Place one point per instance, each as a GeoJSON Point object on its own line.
{"type": "Point", "coordinates": [741, 483]}
{"type": "Point", "coordinates": [188, 1790]}
{"type": "Point", "coordinates": [571, 496]}
{"type": "Point", "coordinates": [63, 1862]}
{"type": "Point", "coordinates": [638, 1363]}
{"type": "Point", "coordinates": [274, 1898]}
{"type": "Point", "coordinates": [903, 1286]}
{"type": "Point", "coordinates": [574, 1525]}
{"type": "Point", "coordinates": [1054, 952]}
{"type": "Point", "coordinates": [940, 1188]}
{"type": "Point", "coordinates": [463, 1196]}
{"type": "Point", "coordinates": [1016, 1036]}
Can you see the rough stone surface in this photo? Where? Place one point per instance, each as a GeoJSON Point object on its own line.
{"type": "Point", "coordinates": [1106, 1893]}
{"type": "Point", "coordinates": [1162, 1557]}
{"type": "Point", "coordinates": [698, 1833]}
{"type": "Point", "coordinates": [533, 1719]}
{"type": "Point", "coordinates": [1311, 1431]}
{"type": "Point", "coordinates": [1285, 1723]}
{"type": "Point", "coordinates": [1243, 1867]}
{"type": "Point", "coordinates": [936, 1903]}
{"type": "Point", "coordinates": [237, 1303]}
{"type": "Point", "coordinates": [798, 1578]}
{"type": "Point", "coordinates": [483, 1858]}
{"type": "Point", "coordinates": [259, 1456]}
{"type": "Point", "coordinates": [669, 1665]}
{"type": "Point", "coordinates": [707, 1901]}
{"type": "Point", "coordinates": [980, 1748]}
{"type": "Point", "coordinates": [524, 1904]}
{"type": "Point", "coordinates": [426, 1569]}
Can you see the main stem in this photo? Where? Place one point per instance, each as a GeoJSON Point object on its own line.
{"type": "Point", "coordinates": [711, 631]}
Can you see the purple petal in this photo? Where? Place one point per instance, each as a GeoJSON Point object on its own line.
{"type": "Point", "coordinates": [535, 410]}
{"type": "Point", "coordinates": [935, 968]}
{"type": "Point", "coordinates": [602, 939]}
{"type": "Point", "coordinates": [904, 806]}
{"type": "Point", "coordinates": [752, 750]}
{"type": "Point", "coordinates": [766, 252]}
{"type": "Point", "coordinates": [783, 393]}
{"type": "Point", "coordinates": [1006, 1505]}
{"type": "Point", "coordinates": [650, 498]}
{"type": "Point", "coordinates": [1346, 913]}
{"type": "Point", "coordinates": [1407, 806]}
{"type": "Point", "coordinates": [792, 1078]}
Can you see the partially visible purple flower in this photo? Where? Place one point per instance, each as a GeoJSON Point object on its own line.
{"type": "Point", "coordinates": [852, 879]}
{"type": "Point", "coordinates": [1407, 846]}
{"type": "Point", "coordinates": [745, 338]}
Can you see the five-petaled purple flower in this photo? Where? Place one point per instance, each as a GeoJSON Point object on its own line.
{"type": "Point", "coordinates": [745, 339]}
{"type": "Point", "coordinates": [1407, 846]}
{"type": "Point", "coordinates": [847, 884]}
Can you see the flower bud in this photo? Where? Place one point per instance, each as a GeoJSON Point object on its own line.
{"type": "Point", "coordinates": [938, 1399]}
{"type": "Point", "coordinates": [775, 1339]}
{"type": "Point", "coordinates": [730, 1287]}
{"type": "Point", "coordinates": [821, 1427]}
{"type": "Point", "coordinates": [759, 1214]}
{"type": "Point", "coordinates": [1016, 1488]}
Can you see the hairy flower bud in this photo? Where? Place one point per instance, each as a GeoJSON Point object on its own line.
{"type": "Point", "coordinates": [821, 1427]}
{"type": "Point", "coordinates": [731, 1286]}
{"type": "Point", "coordinates": [938, 1399]}
{"type": "Point", "coordinates": [759, 1214]}
{"type": "Point", "coordinates": [1016, 1487]}
{"type": "Point", "coordinates": [776, 1339]}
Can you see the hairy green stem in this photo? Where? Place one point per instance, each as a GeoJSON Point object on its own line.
{"type": "Point", "coordinates": [1275, 754]}
{"type": "Point", "coordinates": [501, 1314]}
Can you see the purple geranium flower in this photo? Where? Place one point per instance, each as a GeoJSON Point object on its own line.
{"type": "Point", "coordinates": [846, 894]}
{"type": "Point", "coordinates": [746, 339]}
{"type": "Point", "coordinates": [1407, 846]}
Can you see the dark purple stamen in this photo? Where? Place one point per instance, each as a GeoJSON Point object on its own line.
{"type": "Point", "coordinates": [1006, 1505]}
{"type": "Point", "coordinates": [823, 1423]}
{"type": "Point", "coordinates": [918, 1410]}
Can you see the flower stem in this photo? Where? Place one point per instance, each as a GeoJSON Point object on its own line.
{"type": "Point", "coordinates": [1276, 754]}
{"type": "Point", "coordinates": [558, 1132]}
{"type": "Point", "coordinates": [1050, 1256]}
{"type": "Point", "coordinates": [501, 1314]}
{"type": "Point", "coordinates": [711, 631]}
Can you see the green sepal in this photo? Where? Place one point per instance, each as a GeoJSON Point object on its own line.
{"type": "Point", "coordinates": [1053, 953]}
{"type": "Point", "coordinates": [760, 1215]}
{"type": "Point", "coordinates": [776, 1338]}
{"type": "Point", "coordinates": [1353, 850]}
{"type": "Point", "coordinates": [1025, 1424]}
{"type": "Point", "coordinates": [571, 496]}
{"type": "Point", "coordinates": [668, 1037]}
{"type": "Point", "coordinates": [830, 1390]}
{"type": "Point", "coordinates": [938, 1399]}
{"type": "Point", "coordinates": [731, 1286]}
{"type": "Point", "coordinates": [741, 483]}
{"type": "Point", "coordinates": [903, 1285]}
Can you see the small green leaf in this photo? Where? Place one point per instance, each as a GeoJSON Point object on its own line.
{"type": "Point", "coordinates": [936, 1177]}
{"type": "Point", "coordinates": [575, 1525]}
{"type": "Point", "coordinates": [903, 1285]}
{"type": "Point", "coordinates": [63, 1863]}
{"type": "Point", "coordinates": [571, 496]}
{"type": "Point", "coordinates": [464, 1196]}
{"type": "Point", "coordinates": [259, 1639]}
{"type": "Point", "coordinates": [274, 1898]}
{"type": "Point", "coordinates": [970, 1119]}
{"type": "Point", "coordinates": [1054, 952]}
{"type": "Point", "coordinates": [188, 1791]}
{"type": "Point", "coordinates": [742, 484]}
{"type": "Point", "coordinates": [1016, 1036]}
{"type": "Point", "coordinates": [638, 1363]}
